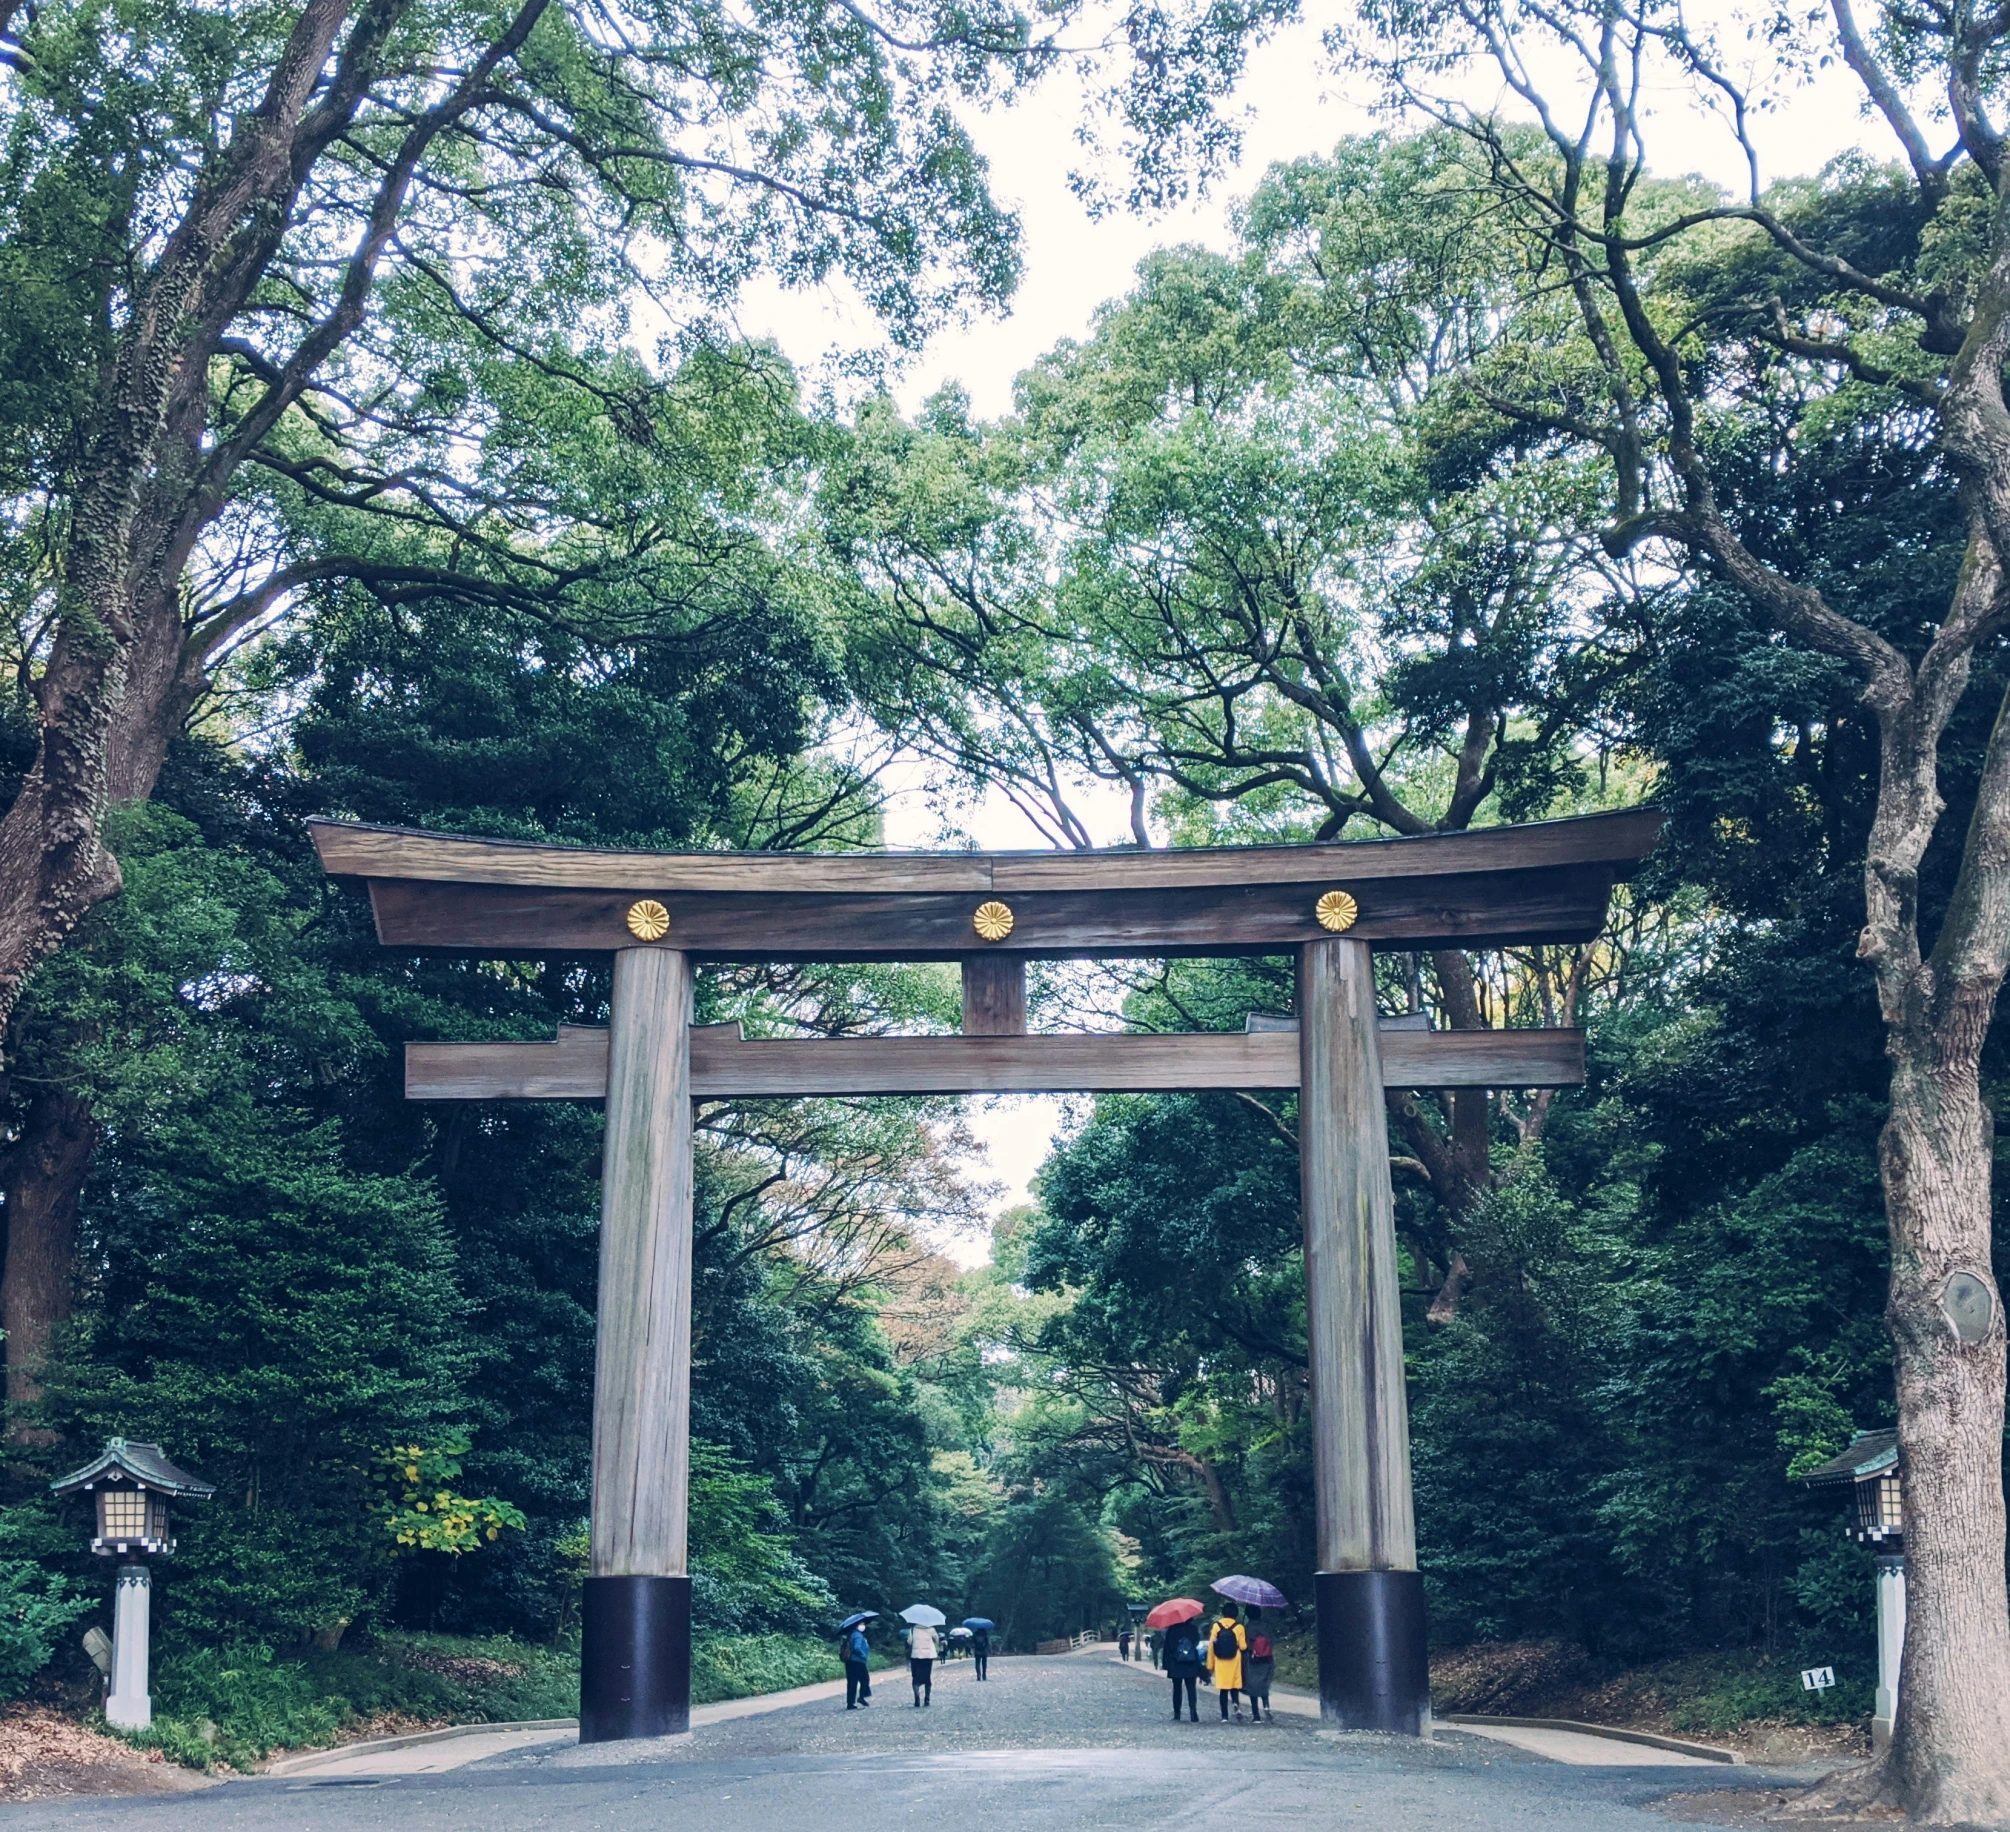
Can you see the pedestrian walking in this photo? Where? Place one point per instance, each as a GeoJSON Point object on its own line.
{"type": "Point", "coordinates": [980, 1644]}
{"type": "Point", "coordinates": [1227, 1643]}
{"type": "Point", "coordinates": [1155, 1641]}
{"type": "Point", "coordinates": [857, 1670]}
{"type": "Point", "coordinates": [1257, 1671]}
{"type": "Point", "coordinates": [1123, 1644]}
{"type": "Point", "coordinates": [921, 1651]}
{"type": "Point", "coordinates": [1184, 1662]}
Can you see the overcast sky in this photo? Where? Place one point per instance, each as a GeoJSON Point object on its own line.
{"type": "Point", "coordinates": [1295, 103]}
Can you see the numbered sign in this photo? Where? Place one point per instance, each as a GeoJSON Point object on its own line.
{"type": "Point", "coordinates": [1817, 1679]}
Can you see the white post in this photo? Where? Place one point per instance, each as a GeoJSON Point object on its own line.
{"type": "Point", "coordinates": [1890, 1648]}
{"type": "Point", "coordinates": [128, 1705]}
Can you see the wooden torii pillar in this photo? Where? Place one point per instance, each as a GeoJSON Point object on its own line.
{"type": "Point", "coordinates": [662, 914]}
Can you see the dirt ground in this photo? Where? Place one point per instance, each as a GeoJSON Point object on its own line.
{"type": "Point", "coordinates": [45, 1755]}
{"type": "Point", "coordinates": [1555, 1679]}
{"type": "Point", "coordinates": [1775, 1812]}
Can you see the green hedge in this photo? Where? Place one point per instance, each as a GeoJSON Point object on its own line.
{"type": "Point", "coordinates": [236, 1705]}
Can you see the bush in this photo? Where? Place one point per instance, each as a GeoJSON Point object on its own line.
{"type": "Point", "coordinates": [238, 1704]}
{"type": "Point", "coordinates": [742, 1666]}
{"type": "Point", "coordinates": [36, 1606]}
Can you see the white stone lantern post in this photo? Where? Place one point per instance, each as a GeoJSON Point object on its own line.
{"type": "Point", "coordinates": [131, 1483]}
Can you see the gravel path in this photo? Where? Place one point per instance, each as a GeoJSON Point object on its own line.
{"type": "Point", "coordinates": [1056, 1743]}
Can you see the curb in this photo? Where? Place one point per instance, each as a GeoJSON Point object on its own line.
{"type": "Point", "coordinates": [341, 1752]}
{"type": "Point", "coordinates": [1707, 1752]}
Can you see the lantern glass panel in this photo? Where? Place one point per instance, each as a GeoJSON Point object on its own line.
{"type": "Point", "coordinates": [122, 1513]}
{"type": "Point", "coordinates": [1880, 1506]}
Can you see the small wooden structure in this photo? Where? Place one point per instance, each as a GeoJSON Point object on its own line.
{"type": "Point", "coordinates": [662, 914]}
{"type": "Point", "coordinates": [1874, 1468]}
{"type": "Point", "coordinates": [131, 1484]}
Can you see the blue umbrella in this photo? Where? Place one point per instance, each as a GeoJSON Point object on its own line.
{"type": "Point", "coordinates": [978, 1622]}
{"type": "Point", "coordinates": [856, 1617]}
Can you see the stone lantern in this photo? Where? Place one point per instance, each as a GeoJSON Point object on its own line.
{"type": "Point", "coordinates": [1873, 1469]}
{"type": "Point", "coordinates": [131, 1484]}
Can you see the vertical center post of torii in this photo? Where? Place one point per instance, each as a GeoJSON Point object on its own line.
{"type": "Point", "coordinates": [635, 1628]}
{"type": "Point", "coordinates": [1373, 1671]}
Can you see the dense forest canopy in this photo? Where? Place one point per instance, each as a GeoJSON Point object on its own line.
{"type": "Point", "coordinates": [1358, 527]}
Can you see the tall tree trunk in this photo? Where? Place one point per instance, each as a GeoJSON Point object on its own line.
{"type": "Point", "coordinates": [1952, 1736]}
{"type": "Point", "coordinates": [42, 1182]}
{"type": "Point", "coordinates": [1949, 1760]}
{"type": "Point", "coordinates": [44, 1177]}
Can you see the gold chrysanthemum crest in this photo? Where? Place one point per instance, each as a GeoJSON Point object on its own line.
{"type": "Point", "coordinates": [993, 921]}
{"type": "Point", "coordinates": [1336, 910]}
{"type": "Point", "coordinates": [648, 920]}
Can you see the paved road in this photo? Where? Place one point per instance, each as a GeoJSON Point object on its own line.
{"type": "Point", "coordinates": [1052, 1743]}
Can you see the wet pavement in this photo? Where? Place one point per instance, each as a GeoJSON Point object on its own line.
{"type": "Point", "coordinates": [1071, 1741]}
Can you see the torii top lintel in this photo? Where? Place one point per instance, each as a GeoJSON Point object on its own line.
{"type": "Point", "coordinates": [1544, 881]}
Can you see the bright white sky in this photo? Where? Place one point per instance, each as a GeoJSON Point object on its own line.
{"type": "Point", "coordinates": [1296, 104]}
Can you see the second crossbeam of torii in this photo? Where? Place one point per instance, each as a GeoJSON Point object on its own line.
{"type": "Point", "coordinates": [660, 915]}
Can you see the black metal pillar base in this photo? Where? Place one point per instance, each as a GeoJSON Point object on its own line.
{"type": "Point", "coordinates": [1373, 1673]}
{"type": "Point", "coordinates": [634, 1659]}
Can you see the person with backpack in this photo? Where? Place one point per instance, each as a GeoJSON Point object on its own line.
{"type": "Point", "coordinates": [1184, 1662]}
{"type": "Point", "coordinates": [1225, 1648]}
{"type": "Point", "coordinates": [1257, 1672]}
{"type": "Point", "coordinates": [980, 1651]}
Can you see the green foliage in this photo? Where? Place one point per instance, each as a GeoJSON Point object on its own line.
{"type": "Point", "coordinates": [743, 1666]}
{"type": "Point", "coordinates": [37, 1606]}
{"type": "Point", "coordinates": [745, 1571]}
{"type": "Point", "coordinates": [238, 1703]}
{"type": "Point", "coordinates": [1049, 1569]}
{"type": "Point", "coordinates": [421, 1514]}
{"type": "Point", "coordinates": [253, 1702]}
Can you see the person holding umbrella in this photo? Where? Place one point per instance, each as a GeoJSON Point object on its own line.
{"type": "Point", "coordinates": [857, 1655]}
{"type": "Point", "coordinates": [1183, 1660]}
{"type": "Point", "coordinates": [922, 1648]}
{"type": "Point", "coordinates": [1260, 1660]}
{"type": "Point", "coordinates": [980, 1628]}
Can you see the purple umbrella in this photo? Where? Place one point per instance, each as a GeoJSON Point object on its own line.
{"type": "Point", "coordinates": [1253, 1591]}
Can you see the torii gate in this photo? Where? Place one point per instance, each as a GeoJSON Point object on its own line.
{"type": "Point", "coordinates": [661, 914]}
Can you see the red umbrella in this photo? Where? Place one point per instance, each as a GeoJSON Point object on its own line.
{"type": "Point", "coordinates": [1175, 1609]}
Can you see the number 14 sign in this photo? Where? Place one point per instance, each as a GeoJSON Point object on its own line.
{"type": "Point", "coordinates": [1817, 1679]}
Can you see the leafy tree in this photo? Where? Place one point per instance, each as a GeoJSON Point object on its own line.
{"type": "Point", "coordinates": [335, 235]}
{"type": "Point", "coordinates": [1222, 557]}
{"type": "Point", "coordinates": [1870, 298]}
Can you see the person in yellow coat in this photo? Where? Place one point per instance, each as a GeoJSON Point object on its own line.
{"type": "Point", "coordinates": [1226, 1645]}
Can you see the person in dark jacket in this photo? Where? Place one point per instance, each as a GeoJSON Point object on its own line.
{"type": "Point", "coordinates": [1185, 1662]}
{"type": "Point", "coordinates": [980, 1651]}
{"type": "Point", "coordinates": [857, 1674]}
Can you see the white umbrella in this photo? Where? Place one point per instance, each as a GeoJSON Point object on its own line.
{"type": "Point", "coordinates": [922, 1616]}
